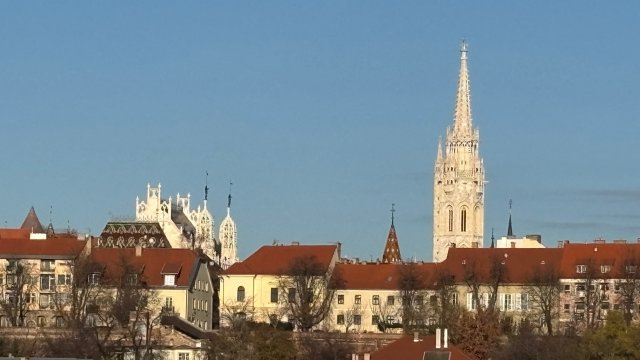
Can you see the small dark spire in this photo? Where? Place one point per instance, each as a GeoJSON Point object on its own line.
{"type": "Point", "coordinates": [510, 227]}
{"type": "Point", "coordinates": [206, 185]}
{"type": "Point", "coordinates": [229, 199]}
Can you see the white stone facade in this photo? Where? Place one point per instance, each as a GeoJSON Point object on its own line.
{"type": "Point", "coordinates": [228, 236]}
{"type": "Point", "coordinates": [183, 226]}
{"type": "Point", "coordinates": [458, 186]}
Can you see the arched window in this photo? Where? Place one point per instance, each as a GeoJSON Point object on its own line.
{"type": "Point", "coordinates": [240, 296]}
{"type": "Point", "coordinates": [463, 220]}
{"type": "Point", "coordinates": [450, 220]}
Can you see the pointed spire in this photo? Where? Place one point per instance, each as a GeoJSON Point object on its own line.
{"type": "Point", "coordinates": [462, 126]}
{"type": "Point", "coordinates": [492, 239]}
{"type": "Point", "coordinates": [510, 227]}
{"type": "Point", "coordinates": [206, 186]}
{"type": "Point", "coordinates": [32, 223]}
{"type": "Point", "coordinates": [229, 199]}
{"type": "Point", "coordinates": [391, 252]}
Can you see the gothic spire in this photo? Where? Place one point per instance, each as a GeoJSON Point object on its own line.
{"type": "Point", "coordinates": [32, 223]}
{"type": "Point", "coordinates": [391, 252]}
{"type": "Point", "coordinates": [510, 227]}
{"type": "Point", "coordinates": [462, 126]}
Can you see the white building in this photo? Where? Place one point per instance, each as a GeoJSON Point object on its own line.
{"type": "Point", "coordinates": [458, 186]}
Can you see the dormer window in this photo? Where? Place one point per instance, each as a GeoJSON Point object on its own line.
{"type": "Point", "coordinates": [169, 279]}
{"type": "Point", "coordinates": [581, 269]}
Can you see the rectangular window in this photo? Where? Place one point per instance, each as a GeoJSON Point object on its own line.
{"type": "Point", "coordinates": [169, 279]}
{"type": "Point", "coordinates": [47, 282]}
{"type": "Point", "coordinates": [47, 265]}
{"type": "Point", "coordinates": [183, 356]}
{"type": "Point", "coordinates": [567, 308]}
{"type": "Point", "coordinates": [341, 299]}
{"type": "Point", "coordinates": [93, 279]}
{"type": "Point", "coordinates": [274, 295]}
{"type": "Point", "coordinates": [522, 302]}
{"type": "Point", "coordinates": [357, 320]}
{"type": "Point", "coordinates": [471, 302]}
{"type": "Point", "coordinates": [581, 269]}
{"type": "Point", "coordinates": [419, 300]}
{"type": "Point", "coordinates": [340, 319]}
{"type": "Point", "coordinates": [64, 279]}
{"type": "Point", "coordinates": [605, 269]}
{"type": "Point", "coordinates": [390, 300]}
{"type": "Point", "coordinates": [631, 269]}
{"type": "Point", "coordinates": [46, 301]}
{"type": "Point", "coordinates": [391, 320]}
{"type": "Point", "coordinates": [291, 295]}
{"type": "Point", "coordinates": [454, 299]}
{"type": "Point", "coordinates": [41, 321]}
{"type": "Point", "coordinates": [375, 300]}
{"type": "Point", "coordinates": [30, 298]}
{"type": "Point", "coordinates": [358, 299]}
{"type": "Point", "coordinates": [375, 319]}
{"type": "Point", "coordinates": [12, 266]}
{"type": "Point", "coordinates": [567, 289]}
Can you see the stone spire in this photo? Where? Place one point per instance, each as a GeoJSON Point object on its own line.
{"type": "Point", "coordinates": [392, 249]}
{"type": "Point", "coordinates": [228, 236]}
{"type": "Point", "coordinates": [462, 123]}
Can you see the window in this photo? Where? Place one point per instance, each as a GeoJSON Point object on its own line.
{"type": "Point", "coordinates": [30, 298]}
{"type": "Point", "coordinates": [522, 302]}
{"type": "Point", "coordinates": [433, 300]}
{"type": "Point", "coordinates": [12, 266]}
{"type": "Point", "coordinates": [463, 220]}
{"type": "Point", "coordinates": [169, 279]}
{"type": "Point", "coordinates": [340, 319]}
{"type": "Point", "coordinates": [471, 302]}
{"type": "Point", "coordinates": [93, 279]}
{"type": "Point", "coordinates": [183, 356]}
{"type": "Point", "coordinates": [567, 308]}
{"type": "Point", "coordinates": [581, 269]}
{"type": "Point", "coordinates": [567, 289]}
{"type": "Point", "coordinates": [454, 299]}
{"type": "Point", "coordinates": [450, 220]}
{"type": "Point", "coordinates": [406, 300]}
{"type": "Point", "coordinates": [47, 265]}
{"type": "Point", "coordinates": [340, 299]}
{"type": "Point", "coordinates": [274, 295]}
{"type": "Point", "coordinates": [47, 282]}
{"type": "Point", "coordinates": [46, 301]}
{"type": "Point", "coordinates": [168, 304]}
{"type": "Point", "coordinates": [291, 295]}
{"type": "Point", "coordinates": [64, 279]}
{"type": "Point", "coordinates": [131, 279]}
{"type": "Point", "coordinates": [390, 300]}
{"type": "Point", "coordinates": [59, 321]}
{"type": "Point", "coordinates": [357, 320]}
{"type": "Point", "coordinates": [41, 321]}
{"type": "Point", "coordinates": [358, 299]}
{"type": "Point", "coordinates": [375, 319]}
{"type": "Point", "coordinates": [240, 293]}
{"type": "Point", "coordinates": [605, 269]}
{"type": "Point", "coordinates": [631, 269]}
{"type": "Point", "coordinates": [375, 300]}
{"type": "Point", "coordinates": [391, 320]}
{"type": "Point", "coordinates": [506, 303]}
{"type": "Point", "coordinates": [419, 300]}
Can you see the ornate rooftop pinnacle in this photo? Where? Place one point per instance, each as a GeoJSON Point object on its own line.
{"type": "Point", "coordinates": [391, 252]}
{"type": "Point", "coordinates": [462, 123]}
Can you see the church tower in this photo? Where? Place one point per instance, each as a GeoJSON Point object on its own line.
{"type": "Point", "coordinates": [458, 185]}
{"type": "Point", "coordinates": [391, 253]}
{"type": "Point", "coordinates": [228, 236]}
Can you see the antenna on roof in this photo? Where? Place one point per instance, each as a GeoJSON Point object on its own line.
{"type": "Point", "coordinates": [393, 210]}
{"type": "Point", "coordinates": [206, 185]}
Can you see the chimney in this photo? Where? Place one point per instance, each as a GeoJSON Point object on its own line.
{"type": "Point", "coordinates": [415, 336]}
{"type": "Point", "coordinates": [138, 250]}
{"type": "Point", "coordinates": [445, 339]}
{"type": "Point", "coordinates": [367, 356]}
{"type": "Point", "coordinates": [438, 338]}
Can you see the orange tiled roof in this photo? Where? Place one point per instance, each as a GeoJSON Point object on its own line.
{"type": "Point", "coordinates": [274, 259]}
{"type": "Point", "coordinates": [383, 276]}
{"type": "Point", "coordinates": [613, 254]}
{"type": "Point", "coordinates": [15, 243]}
{"type": "Point", "coordinates": [151, 262]}
{"type": "Point", "coordinates": [32, 223]}
{"type": "Point", "coordinates": [407, 348]}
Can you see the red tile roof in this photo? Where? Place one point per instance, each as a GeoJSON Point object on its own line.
{"type": "Point", "coordinates": [383, 276]}
{"type": "Point", "coordinates": [274, 259]}
{"type": "Point", "coordinates": [32, 223]}
{"type": "Point", "coordinates": [595, 254]}
{"type": "Point", "coordinates": [152, 261]}
{"type": "Point", "coordinates": [406, 348]}
{"type": "Point", "coordinates": [15, 243]}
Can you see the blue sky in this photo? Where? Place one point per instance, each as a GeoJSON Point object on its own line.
{"type": "Point", "coordinates": [322, 114]}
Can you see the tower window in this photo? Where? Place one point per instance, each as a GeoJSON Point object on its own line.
{"type": "Point", "coordinates": [463, 220]}
{"type": "Point", "coordinates": [450, 220]}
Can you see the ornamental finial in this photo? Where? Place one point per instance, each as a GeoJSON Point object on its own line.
{"type": "Point", "coordinates": [464, 48]}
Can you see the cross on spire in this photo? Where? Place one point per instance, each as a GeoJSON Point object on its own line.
{"type": "Point", "coordinates": [393, 210]}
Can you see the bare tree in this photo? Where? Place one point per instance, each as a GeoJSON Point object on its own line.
{"type": "Point", "coordinates": [386, 311]}
{"type": "Point", "coordinates": [543, 290]}
{"type": "Point", "coordinates": [591, 292]}
{"type": "Point", "coordinates": [412, 284]}
{"type": "Point", "coordinates": [235, 315]}
{"type": "Point", "coordinates": [628, 285]}
{"type": "Point", "coordinates": [445, 300]}
{"type": "Point", "coordinates": [308, 289]}
{"type": "Point", "coordinates": [351, 316]}
{"type": "Point", "coordinates": [18, 292]}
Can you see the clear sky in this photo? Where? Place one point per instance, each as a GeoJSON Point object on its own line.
{"type": "Point", "coordinates": [322, 113]}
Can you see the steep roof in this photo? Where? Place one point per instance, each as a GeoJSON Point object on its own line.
{"type": "Point", "coordinates": [151, 262]}
{"type": "Point", "coordinates": [16, 244]}
{"type": "Point", "coordinates": [391, 248]}
{"type": "Point", "coordinates": [407, 348]}
{"type": "Point", "coordinates": [274, 259]}
{"type": "Point", "coordinates": [383, 276]}
{"type": "Point", "coordinates": [32, 223]}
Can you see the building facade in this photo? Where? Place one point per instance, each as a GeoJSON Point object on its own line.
{"type": "Point", "coordinates": [458, 186]}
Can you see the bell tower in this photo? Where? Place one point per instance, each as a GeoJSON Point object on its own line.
{"type": "Point", "coordinates": [458, 185]}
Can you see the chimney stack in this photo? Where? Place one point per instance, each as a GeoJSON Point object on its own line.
{"type": "Point", "coordinates": [445, 340]}
{"type": "Point", "coordinates": [438, 338]}
{"type": "Point", "coordinates": [138, 250]}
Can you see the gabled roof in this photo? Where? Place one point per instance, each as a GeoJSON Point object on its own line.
{"type": "Point", "coordinates": [151, 262]}
{"type": "Point", "coordinates": [16, 244]}
{"type": "Point", "coordinates": [406, 348]}
{"type": "Point", "coordinates": [520, 264]}
{"type": "Point", "coordinates": [274, 259]}
{"type": "Point", "coordinates": [383, 276]}
{"type": "Point", "coordinates": [32, 223]}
